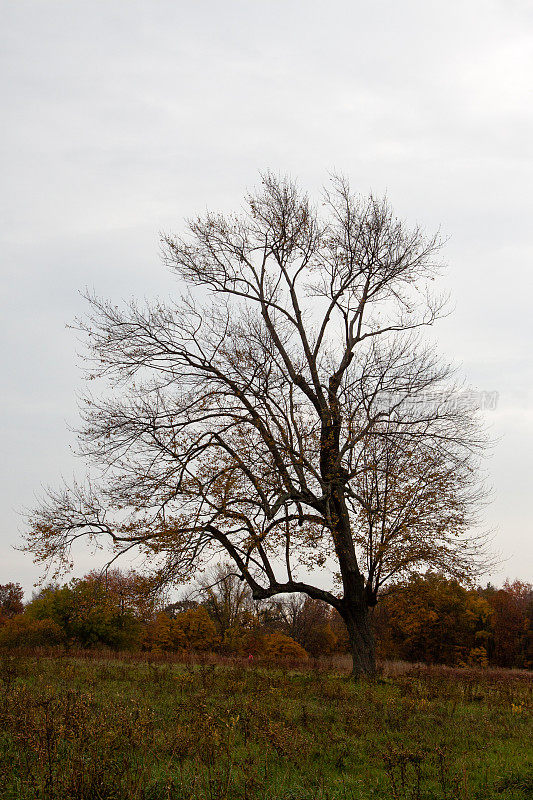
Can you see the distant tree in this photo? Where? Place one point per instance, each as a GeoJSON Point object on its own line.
{"type": "Point", "coordinates": [434, 619]}
{"type": "Point", "coordinates": [342, 641]}
{"type": "Point", "coordinates": [192, 629]}
{"type": "Point", "coordinates": [161, 634]}
{"type": "Point", "coordinates": [226, 597]}
{"type": "Point", "coordinates": [129, 592]}
{"type": "Point", "coordinates": [246, 410]}
{"type": "Point", "coordinates": [511, 643]}
{"type": "Point", "coordinates": [20, 631]}
{"type": "Point", "coordinates": [178, 606]}
{"type": "Point", "coordinates": [97, 609]}
{"type": "Point", "coordinates": [308, 622]}
{"type": "Point", "coordinates": [279, 646]}
{"type": "Point", "coordinates": [245, 637]}
{"type": "Point", "coordinates": [11, 597]}
{"type": "Point", "coordinates": [56, 603]}
{"type": "Point", "coordinates": [196, 629]}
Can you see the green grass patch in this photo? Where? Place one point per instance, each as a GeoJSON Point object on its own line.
{"type": "Point", "coordinates": [111, 730]}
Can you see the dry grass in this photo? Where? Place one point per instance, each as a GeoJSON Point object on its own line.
{"type": "Point", "coordinates": [97, 728]}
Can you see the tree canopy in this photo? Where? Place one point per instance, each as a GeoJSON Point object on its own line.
{"type": "Point", "coordinates": [284, 412]}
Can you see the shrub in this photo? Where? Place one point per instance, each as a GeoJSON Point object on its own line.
{"type": "Point", "coordinates": [191, 630]}
{"type": "Point", "coordinates": [478, 657]}
{"type": "Point", "coordinates": [196, 629]}
{"type": "Point", "coordinates": [22, 631]}
{"type": "Point", "coordinates": [278, 646]}
{"type": "Point", "coordinates": [162, 635]}
{"type": "Point", "coordinates": [321, 641]}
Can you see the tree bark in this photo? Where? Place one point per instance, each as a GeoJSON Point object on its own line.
{"type": "Point", "coordinates": [358, 621]}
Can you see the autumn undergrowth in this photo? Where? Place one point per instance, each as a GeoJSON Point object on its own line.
{"type": "Point", "coordinates": [153, 730]}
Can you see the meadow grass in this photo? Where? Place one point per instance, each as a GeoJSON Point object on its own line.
{"type": "Point", "coordinates": [114, 729]}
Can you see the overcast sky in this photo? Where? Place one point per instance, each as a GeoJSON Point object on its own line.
{"type": "Point", "coordinates": [123, 117]}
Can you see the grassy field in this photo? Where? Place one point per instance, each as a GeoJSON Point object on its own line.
{"type": "Point", "coordinates": [116, 730]}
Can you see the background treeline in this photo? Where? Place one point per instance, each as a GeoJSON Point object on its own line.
{"type": "Point", "coordinates": [427, 618]}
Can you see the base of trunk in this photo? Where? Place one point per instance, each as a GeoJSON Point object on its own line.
{"type": "Point", "coordinates": [362, 645]}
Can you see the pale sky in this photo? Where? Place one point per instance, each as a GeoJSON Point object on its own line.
{"type": "Point", "coordinates": [120, 118]}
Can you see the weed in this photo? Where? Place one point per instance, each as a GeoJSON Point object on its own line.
{"type": "Point", "coordinates": [150, 729]}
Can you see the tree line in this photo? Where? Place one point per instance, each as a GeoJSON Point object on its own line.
{"type": "Point", "coordinates": [427, 618]}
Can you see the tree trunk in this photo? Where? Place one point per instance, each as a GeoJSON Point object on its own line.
{"type": "Point", "coordinates": [358, 623]}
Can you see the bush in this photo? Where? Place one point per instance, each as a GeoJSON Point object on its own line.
{"type": "Point", "coordinates": [242, 640]}
{"type": "Point", "coordinates": [321, 641]}
{"type": "Point", "coordinates": [190, 630]}
{"type": "Point", "coordinates": [278, 646]}
{"type": "Point", "coordinates": [162, 635]}
{"type": "Point", "coordinates": [196, 629]}
{"type": "Point", "coordinates": [22, 631]}
{"type": "Point", "coordinates": [478, 657]}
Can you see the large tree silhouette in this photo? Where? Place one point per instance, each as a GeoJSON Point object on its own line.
{"type": "Point", "coordinates": [257, 417]}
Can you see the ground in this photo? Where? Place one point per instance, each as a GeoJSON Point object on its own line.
{"type": "Point", "coordinates": [112, 729]}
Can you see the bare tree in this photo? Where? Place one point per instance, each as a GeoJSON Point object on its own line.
{"type": "Point", "coordinates": [240, 420]}
{"type": "Point", "coordinates": [307, 621]}
{"type": "Point", "coordinates": [226, 597]}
